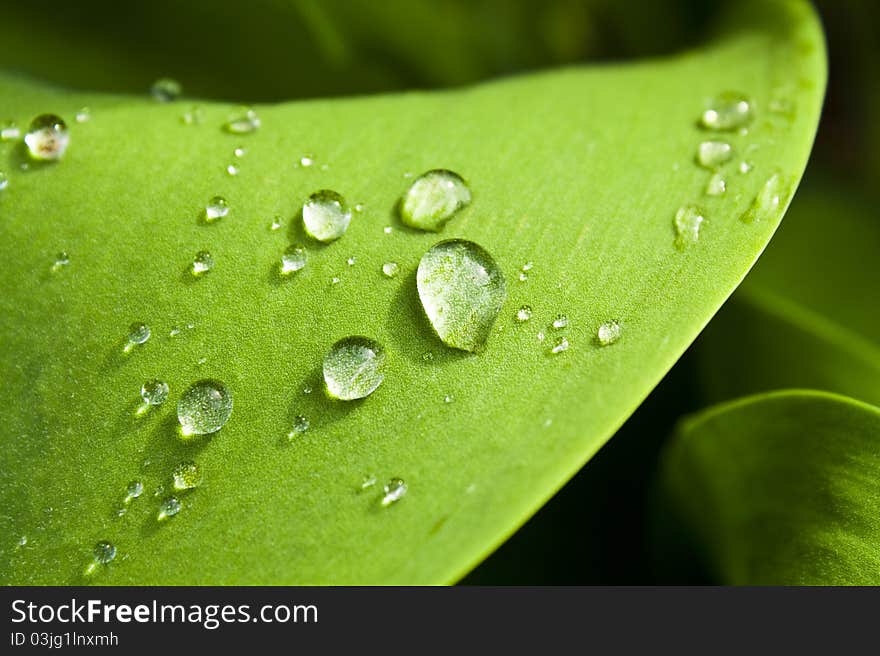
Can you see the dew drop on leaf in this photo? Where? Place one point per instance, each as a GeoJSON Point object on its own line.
{"type": "Point", "coordinates": [204, 408]}
{"type": "Point", "coordinates": [608, 333]}
{"type": "Point", "coordinates": [300, 426]}
{"type": "Point", "coordinates": [84, 115]}
{"type": "Point", "coordinates": [390, 269]}
{"type": "Point", "coordinates": [47, 137]}
{"type": "Point", "coordinates": [166, 90]}
{"type": "Point", "coordinates": [216, 208]}
{"type": "Point", "coordinates": [154, 391]}
{"type": "Point", "coordinates": [716, 185]}
{"type": "Point", "coordinates": [394, 490]}
{"type": "Point", "coordinates": [712, 154]}
{"type": "Point", "coordinates": [766, 204]}
{"type": "Point", "coordinates": [561, 344]}
{"type": "Point", "coordinates": [729, 111]}
{"type": "Point", "coordinates": [560, 322]}
{"type": "Point", "coordinates": [244, 121]}
{"type": "Point", "coordinates": [433, 198]}
{"type": "Point", "coordinates": [138, 333]}
{"type": "Point", "coordinates": [186, 476]}
{"type": "Point", "coordinates": [10, 131]}
{"type": "Point", "coordinates": [293, 259]}
{"type": "Point", "coordinates": [202, 263]}
{"type": "Point", "coordinates": [326, 216]}
{"type": "Point", "coordinates": [168, 508]}
{"type": "Point", "coordinates": [688, 221]}
{"type": "Point", "coordinates": [4, 181]}
{"type": "Point", "coordinates": [104, 552]}
{"type": "Point", "coordinates": [524, 314]}
{"type": "Point", "coordinates": [133, 491]}
{"type": "Point", "coordinates": [354, 367]}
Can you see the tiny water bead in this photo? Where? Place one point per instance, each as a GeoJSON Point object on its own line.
{"type": "Point", "coordinates": [524, 314]}
{"type": "Point", "coordinates": [368, 482]}
{"type": "Point", "coordinates": [202, 263]}
{"type": "Point", "coordinates": [608, 333]}
{"type": "Point", "coordinates": [560, 322]}
{"type": "Point", "coordinates": [462, 290]}
{"type": "Point", "coordinates": [216, 208]}
{"type": "Point", "coordinates": [138, 333]}
{"type": "Point", "coordinates": [22, 541]}
{"type": "Point", "coordinates": [293, 259]}
{"type": "Point", "coordinates": [688, 221]}
{"type": "Point", "coordinates": [744, 167]}
{"type": "Point", "coordinates": [154, 391]}
{"type": "Point", "coordinates": [204, 408]}
{"type": "Point", "coordinates": [353, 368]}
{"type": "Point", "coordinates": [306, 160]}
{"type": "Point", "coordinates": [10, 132]}
{"type": "Point", "coordinates": [168, 508]}
{"type": "Point", "coordinates": [239, 152]}
{"type": "Point", "coordinates": [47, 137]}
{"type": "Point", "coordinates": [387, 230]}
{"type": "Point", "coordinates": [194, 116]}
{"type": "Point", "coordinates": [276, 224]}
{"type": "Point", "coordinates": [84, 115]}
{"type": "Point", "coordinates": [766, 204]}
{"type": "Point", "coordinates": [326, 216]}
{"type": "Point", "coordinates": [62, 259]}
{"type": "Point", "coordinates": [134, 490]}
{"type": "Point", "coordinates": [166, 90]}
{"type": "Point", "coordinates": [448, 398]}
{"type": "Point", "coordinates": [523, 276]}
{"type": "Point", "coordinates": [560, 345]}
{"type": "Point", "coordinates": [433, 198]}
{"type": "Point", "coordinates": [4, 181]}
{"type": "Point", "coordinates": [104, 552]}
{"type": "Point", "coordinates": [729, 111]}
{"type": "Point", "coordinates": [300, 426]}
{"type": "Point", "coordinates": [394, 490]}
{"type": "Point", "coordinates": [351, 261]}
{"type": "Point", "coordinates": [243, 122]}
{"type": "Point", "coordinates": [186, 476]}
{"type": "Point", "coordinates": [232, 169]}
{"type": "Point", "coordinates": [713, 154]}
{"type": "Point", "coordinates": [390, 269]}
{"type": "Point", "coordinates": [716, 186]}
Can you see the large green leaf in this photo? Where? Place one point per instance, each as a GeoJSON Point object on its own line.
{"type": "Point", "coordinates": [579, 171]}
{"type": "Point", "coordinates": [781, 488]}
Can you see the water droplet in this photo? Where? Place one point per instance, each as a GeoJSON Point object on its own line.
{"type": "Point", "coordinates": [307, 389]}
{"type": "Point", "coordinates": [353, 368]}
{"type": "Point", "coordinates": [688, 220]}
{"type": "Point", "coordinates": [387, 230]}
{"type": "Point", "coordinates": [560, 322]}
{"type": "Point", "coordinates": [300, 426]}
{"type": "Point", "coordinates": [730, 111]}
{"type": "Point", "coordinates": [232, 169]}
{"type": "Point", "coordinates": [428, 356]}
{"type": "Point", "coordinates": [326, 216]}
{"type": "Point", "coordinates": [244, 121]}
{"type": "Point", "coordinates": [306, 160]}
{"type": "Point", "coordinates": [368, 482]}
{"type": "Point", "coordinates": [407, 174]}
{"type": "Point", "coordinates": [608, 333]}
{"type": "Point", "coordinates": [527, 266]}
{"type": "Point", "coordinates": [768, 200]}
{"type": "Point", "coordinates": [394, 491]}
{"type": "Point", "coordinates": [84, 115]}
{"type": "Point", "coordinates": [168, 508]}
{"type": "Point", "coordinates": [293, 259]}
{"type": "Point", "coordinates": [186, 476]}
{"type": "Point", "coordinates": [713, 154]}
{"type": "Point", "coordinates": [165, 90]}
{"type": "Point", "coordinates": [104, 552]}
{"type": "Point", "coordinates": [194, 116]}
{"type": "Point", "coordinates": [216, 208]}
{"type": "Point", "coordinates": [4, 181]}
{"type": "Point", "coordinates": [175, 331]}
{"type": "Point", "coordinates": [276, 223]}
{"type": "Point", "coordinates": [133, 491]}
{"type": "Point", "coordinates": [154, 392]}
{"type": "Point", "coordinates": [540, 336]}
{"type": "Point", "coordinates": [716, 185]}
{"type": "Point", "coordinates": [138, 333]}
{"type": "Point", "coordinates": [22, 541]}
{"type": "Point", "coordinates": [121, 512]}
{"type": "Point", "coordinates": [744, 167]}
{"type": "Point", "coordinates": [462, 291]}
{"type": "Point", "coordinates": [351, 261]}
{"type": "Point", "coordinates": [359, 207]}
{"type": "Point", "coordinates": [10, 132]}
{"type": "Point", "coordinates": [47, 137]}
{"type": "Point", "coordinates": [334, 280]}
{"type": "Point", "coordinates": [239, 152]}
{"type": "Point", "coordinates": [202, 263]}
{"type": "Point", "coordinates": [560, 345]}
{"type": "Point", "coordinates": [433, 198]}
{"type": "Point", "coordinates": [390, 269]}
{"type": "Point", "coordinates": [524, 313]}
{"type": "Point", "coordinates": [61, 260]}
{"type": "Point", "coordinates": [204, 408]}
{"type": "Point", "coordinates": [448, 398]}
{"type": "Point", "coordinates": [523, 277]}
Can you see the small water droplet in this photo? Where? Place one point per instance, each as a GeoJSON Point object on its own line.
{"type": "Point", "coordinates": [104, 552]}
{"type": "Point", "coordinates": [166, 90]}
{"type": "Point", "coordinates": [359, 207]}
{"type": "Point", "coordinates": [204, 408]}
{"type": "Point", "coordinates": [134, 490]}
{"type": "Point", "coordinates": [387, 230]}
{"type": "Point", "coordinates": [326, 216]}
{"type": "Point", "coordinates": [4, 181]}
{"type": "Point", "coordinates": [122, 511]}
{"type": "Point", "coordinates": [729, 111]}
{"type": "Point", "coordinates": [202, 263]}
{"type": "Point", "coordinates": [744, 167]}
{"type": "Point", "coordinates": [560, 322]}
{"type": "Point", "coordinates": [175, 331]}
{"type": "Point", "coordinates": [159, 491]}
{"type": "Point", "coordinates": [560, 345]}
{"type": "Point", "coordinates": [154, 391]}
{"type": "Point", "coordinates": [239, 152]}
{"type": "Point", "coordinates": [390, 269]}
{"type": "Point", "coordinates": [524, 313]}
{"type": "Point", "coordinates": [334, 280]}
{"type": "Point", "coordinates": [307, 160]}
{"type": "Point", "coordinates": [713, 154]}
{"type": "Point", "coordinates": [201, 361]}
{"type": "Point", "coordinates": [186, 476]}
{"type": "Point", "coordinates": [688, 221]}
{"type": "Point", "coordinates": [608, 333]}
{"type": "Point", "coordinates": [300, 426]}
{"type": "Point", "coordinates": [427, 356]}
{"type": "Point", "coordinates": [541, 336]}
{"type": "Point", "coordinates": [84, 115]}
{"type": "Point", "coordinates": [168, 508]}
{"type": "Point", "coordinates": [61, 260]}
{"type": "Point", "coordinates": [293, 259]}
{"type": "Point", "coordinates": [216, 208]}
{"type": "Point", "coordinates": [276, 223]}
{"type": "Point", "coordinates": [351, 261]}
{"type": "Point", "coordinates": [448, 398]}
{"type": "Point", "coordinates": [462, 291]}
{"type": "Point", "coordinates": [194, 116]}
{"type": "Point", "coordinates": [47, 137]}
{"type": "Point", "coordinates": [232, 169]}
{"type": "Point", "coordinates": [368, 482]}
{"type": "Point", "coordinates": [394, 491]}
{"type": "Point", "coordinates": [523, 277]}
{"type": "Point", "coordinates": [243, 122]}
{"type": "Point", "coordinates": [22, 541]}
{"type": "Point", "coordinates": [716, 185]}
{"type": "Point", "coordinates": [768, 201]}
{"type": "Point", "coordinates": [527, 266]}
{"type": "Point", "coordinates": [353, 368]}
{"type": "Point", "coordinates": [10, 131]}
{"type": "Point", "coordinates": [138, 333]}
{"type": "Point", "coordinates": [433, 198]}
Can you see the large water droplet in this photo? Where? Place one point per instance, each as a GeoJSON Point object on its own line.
{"type": "Point", "coordinates": [433, 198]}
{"type": "Point", "coordinates": [216, 208]}
{"type": "Point", "coordinates": [462, 291]}
{"type": "Point", "coordinates": [165, 90]}
{"type": "Point", "coordinates": [244, 122]}
{"type": "Point", "coordinates": [186, 476]}
{"type": "Point", "coordinates": [354, 367]}
{"type": "Point", "coordinates": [202, 263]}
{"type": "Point", "coordinates": [204, 408]}
{"type": "Point", "coordinates": [293, 259]}
{"type": "Point", "coordinates": [104, 552]}
{"type": "Point", "coordinates": [688, 220]}
{"type": "Point", "coordinates": [168, 508]}
{"type": "Point", "coordinates": [730, 111]}
{"type": "Point", "coordinates": [394, 491]}
{"type": "Point", "coordinates": [768, 200]}
{"type": "Point", "coordinates": [608, 333]}
{"type": "Point", "coordinates": [154, 392]}
{"type": "Point", "coordinates": [713, 154]}
{"type": "Point", "coordinates": [326, 216]}
{"type": "Point", "coordinates": [47, 137]}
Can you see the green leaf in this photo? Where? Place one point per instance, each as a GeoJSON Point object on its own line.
{"type": "Point", "coordinates": [781, 489]}
{"type": "Point", "coordinates": [579, 171]}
